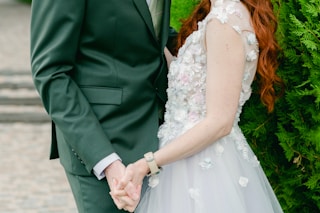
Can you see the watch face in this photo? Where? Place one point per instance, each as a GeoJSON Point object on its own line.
{"type": "Point", "coordinates": [149, 156]}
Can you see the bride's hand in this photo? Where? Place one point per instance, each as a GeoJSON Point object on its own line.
{"type": "Point", "coordinates": [122, 199]}
{"type": "Point", "coordinates": [131, 183]}
{"type": "Point", "coordinates": [135, 174]}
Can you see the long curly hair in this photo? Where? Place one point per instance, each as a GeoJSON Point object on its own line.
{"type": "Point", "coordinates": [265, 25]}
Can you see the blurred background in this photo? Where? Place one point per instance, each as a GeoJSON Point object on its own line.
{"type": "Point", "coordinates": [29, 182]}
{"type": "Point", "coordinates": [287, 141]}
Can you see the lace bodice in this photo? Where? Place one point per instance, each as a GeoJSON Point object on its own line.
{"type": "Point", "coordinates": [187, 74]}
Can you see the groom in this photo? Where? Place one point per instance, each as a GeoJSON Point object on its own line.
{"type": "Point", "coordinates": [99, 68]}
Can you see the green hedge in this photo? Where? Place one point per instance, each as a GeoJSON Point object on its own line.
{"type": "Point", "coordinates": [287, 142]}
{"type": "Point", "coordinates": [181, 9]}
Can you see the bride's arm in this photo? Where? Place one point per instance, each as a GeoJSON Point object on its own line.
{"type": "Point", "coordinates": [225, 65]}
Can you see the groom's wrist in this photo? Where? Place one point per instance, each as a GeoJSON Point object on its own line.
{"type": "Point", "coordinates": [113, 165]}
{"type": "Point", "coordinates": [99, 168]}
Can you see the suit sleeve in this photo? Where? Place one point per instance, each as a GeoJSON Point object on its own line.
{"type": "Point", "coordinates": [55, 31]}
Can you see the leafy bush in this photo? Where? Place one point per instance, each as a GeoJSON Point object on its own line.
{"type": "Point", "coordinates": [181, 9]}
{"type": "Point", "coordinates": [287, 142]}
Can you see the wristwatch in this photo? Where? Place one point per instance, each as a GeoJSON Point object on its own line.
{"type": "Point", "coordinates": [154, 169]}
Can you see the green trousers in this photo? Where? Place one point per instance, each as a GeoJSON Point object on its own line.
{"type": "Point", "coordinates": [91, 195]}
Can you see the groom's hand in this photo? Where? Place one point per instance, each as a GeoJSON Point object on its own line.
{"type": "Point", "coordinates": [115, 172]}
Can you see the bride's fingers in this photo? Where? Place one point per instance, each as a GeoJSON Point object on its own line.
{"type": "Point", "coordinates": [116, 196]}
{"type": "Point", "coordinates": [129, 209]}
{"type": "Point", "coordinates": [117, 201]}
{"type": "Point", "coordinates": [133, 191]}
{"type": "Point", "coordinates": [118, 193]}
{"type": "Point", "coordinates": [124, 202]}
{"type": "Point", "coordinates": [126, 178]}
{"type": "Point", "coordinates": [127, 201]}
{"type": "Point", "coordinates": [122, 197]}
{"type": "Point", "coordinates": [130, 205]}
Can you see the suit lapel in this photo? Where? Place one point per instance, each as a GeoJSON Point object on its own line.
{"type": "Point", "coordinates": [143, 9]}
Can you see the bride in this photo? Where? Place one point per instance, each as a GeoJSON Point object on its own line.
{"type": "Point", "coordinates": [206, 163]}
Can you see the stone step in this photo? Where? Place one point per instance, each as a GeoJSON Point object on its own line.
{"type": "Point", "coordinates": [19, 101]}
{"type": "Point", "coordinates": [16, 80]}
{"type": "Point", "coordinates": [27, 114]}
{"type": "Point", "coordinates": [14, 72]}
{"type": "Point", "coordinates": [12, 85]}
{"type": "Point", "coordinates": [22, 96]}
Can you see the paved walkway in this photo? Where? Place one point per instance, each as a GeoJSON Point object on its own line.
{"type": "Point", "coordinates": [14, 35]}
{"type": "Point", "coordinates": [29, 182]}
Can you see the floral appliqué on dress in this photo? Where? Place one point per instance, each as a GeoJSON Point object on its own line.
{"type": "Point", "coordinates": [187, 86]}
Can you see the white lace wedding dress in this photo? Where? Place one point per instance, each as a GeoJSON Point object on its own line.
{"type": "Point", "coordinates": [226, 177]}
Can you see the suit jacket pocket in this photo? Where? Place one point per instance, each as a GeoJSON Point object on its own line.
{"type": "Point", "coordinates": [103, 95]}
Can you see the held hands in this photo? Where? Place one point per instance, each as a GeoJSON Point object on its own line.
{"type": "Point", "coordinates": [125, 183]}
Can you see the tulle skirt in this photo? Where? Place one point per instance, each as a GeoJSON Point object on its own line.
{"type": "Point", "coordinates": [224, 178]}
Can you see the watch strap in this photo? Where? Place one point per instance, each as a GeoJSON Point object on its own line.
{"type": "Point", "coordinates": [154, 169]}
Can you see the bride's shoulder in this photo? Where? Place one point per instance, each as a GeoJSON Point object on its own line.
{"type": "Point", "coordinates": [229, 11]}
{"type": "Point", "coordinates": [224, 3]}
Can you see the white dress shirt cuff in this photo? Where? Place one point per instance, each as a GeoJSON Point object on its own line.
{"type": "Point", "coordinates": [99, 168]}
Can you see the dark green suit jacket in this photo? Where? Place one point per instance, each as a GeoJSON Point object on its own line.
{"type": "Point", "coordinates": [101, 74]}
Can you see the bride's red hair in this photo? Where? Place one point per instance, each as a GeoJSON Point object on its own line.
{"type": "Point", "coordinates": [265, 25]}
